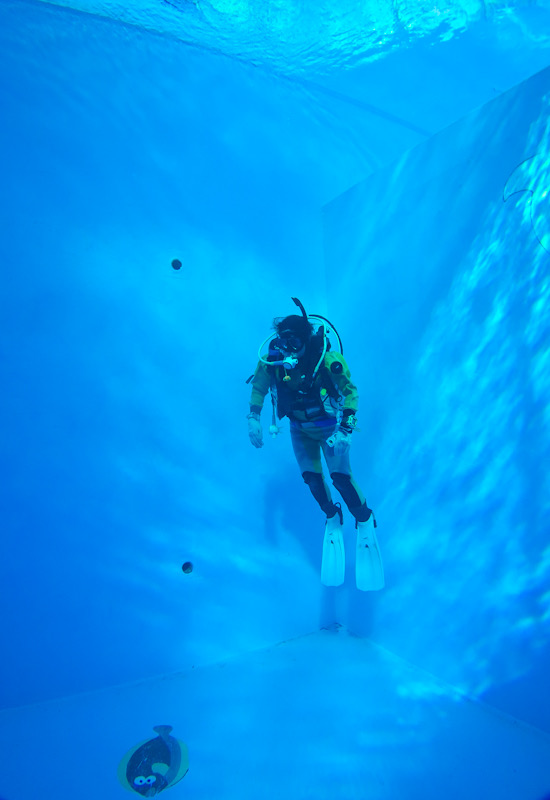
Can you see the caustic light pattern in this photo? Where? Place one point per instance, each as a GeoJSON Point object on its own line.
{"type": "Point", "coordinates": [293, 37]}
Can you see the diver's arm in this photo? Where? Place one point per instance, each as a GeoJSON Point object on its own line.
{"type": "Point", "coordinates": [341, 375]}
{"type": "Point", "coordinates": [339, 370]}
{"type": "Point", "coordinates": [260, 387]}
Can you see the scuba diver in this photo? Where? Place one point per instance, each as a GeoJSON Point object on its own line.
{"type": "Point", "coordinates": [310, 383]}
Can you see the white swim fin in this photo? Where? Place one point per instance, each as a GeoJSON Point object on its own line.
{"type": "Point", "coordinates": [333, 566]}
{"type": "Point", "coordinates": [369, 570]}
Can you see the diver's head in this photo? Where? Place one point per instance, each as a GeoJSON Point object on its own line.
{"type": "Point", "coordinates": [293, 334]}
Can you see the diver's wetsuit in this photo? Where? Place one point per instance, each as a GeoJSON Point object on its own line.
{"type": "Point", "coordinates": [315, 409]}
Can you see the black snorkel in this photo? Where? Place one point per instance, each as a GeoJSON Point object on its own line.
{"type": "Point", "coordinates": [323, 319]}
{"type": "Point", "coordinates": [300, 306]}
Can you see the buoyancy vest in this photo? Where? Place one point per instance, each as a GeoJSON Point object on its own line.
{"type": "Point", "coordinates": [303, 396]}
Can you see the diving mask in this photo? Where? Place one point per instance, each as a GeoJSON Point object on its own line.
{"type": "Point", "coordinates": [288, 342]}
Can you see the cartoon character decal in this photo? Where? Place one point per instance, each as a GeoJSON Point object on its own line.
{"type": "Point", "coordinates": [154, 765]}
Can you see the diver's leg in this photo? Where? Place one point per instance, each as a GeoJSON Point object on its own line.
{"type": "Point", "coordinates": [343, 480]}
{"type": "Point", "coordinates": [307, 449]}
{"type": "Point", "coordinates": [369, 571]}
{"type": "Point", "coordinates": [320, 492]}
{"type": "Point", "coordinates": [352, 495]}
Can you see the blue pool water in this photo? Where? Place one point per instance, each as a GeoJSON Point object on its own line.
{"type": "Point", "coordinates": [388, 164]}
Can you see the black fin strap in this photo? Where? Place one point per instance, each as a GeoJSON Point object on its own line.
{"type": "Point", "coordinates": [375, 524]}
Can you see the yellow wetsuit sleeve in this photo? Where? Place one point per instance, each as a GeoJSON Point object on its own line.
{"type": "Point", "coordinates": [342, 379]}
{"type": "Point", "coordinates": [260, 387]}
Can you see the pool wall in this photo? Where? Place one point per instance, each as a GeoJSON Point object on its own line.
{"type": "Point", "coordinates": [124, 425]}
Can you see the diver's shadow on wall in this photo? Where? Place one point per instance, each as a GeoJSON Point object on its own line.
{"type": "Point", "coordinates": [288, 505]}
{"type": "Point", "coordinates": [360, 611]}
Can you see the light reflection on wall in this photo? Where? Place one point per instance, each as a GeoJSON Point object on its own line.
{"type": "Point", "coordinates": [461, 465]}
{"type": "Point", "coordinates": [483, 446]}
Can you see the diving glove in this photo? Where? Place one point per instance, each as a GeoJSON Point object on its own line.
{"type": "Point", "coordinates": [341, 441]}
{"type": "Point", "coordinates": [255, 432]}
